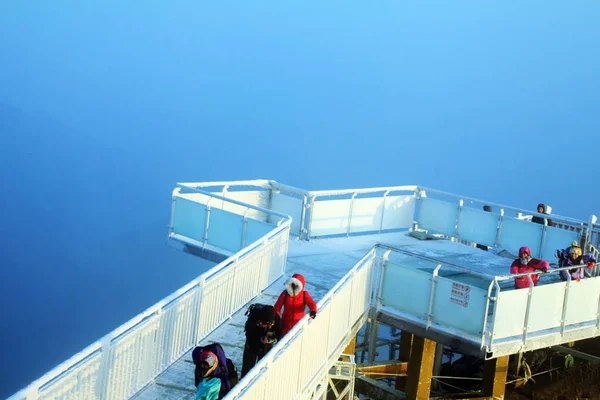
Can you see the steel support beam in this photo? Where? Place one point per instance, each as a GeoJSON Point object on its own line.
{"type": "Point", "coordinates": [376, 390]}
{"type": "Point", "coordinates": [406, 340]}
{"type": "Point", "coordinates": [420, 368]}
{"type": "Point", "coordinates": [385, 369]}
{"type": "Point", "coordinates": [494, 377]}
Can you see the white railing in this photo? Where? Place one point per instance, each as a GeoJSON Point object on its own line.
{"type": "Point", "coordinates": [486, 309]}
{"type": "Point", "coordinates": [561, 310]}
{"type": "Point", "coordinates": [209, 221]}
{"type": "Point", "coordinates": [344, 212]}
{"type": "Point", "coordinates": [463, 218]}
{"type": "Point", "coordinates": [305, 354]}
{"type": "Point", "coordinates": [124, 361]}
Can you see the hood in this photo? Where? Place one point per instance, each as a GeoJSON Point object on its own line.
{"type": "Point", "coordinates": [295, 285]}
{"type": "Point", "coordinates": [211, 359]}
{"type": "Point", "coordinates": [526, 250]}
{"type": "Point", "coordinates": [543, 207]}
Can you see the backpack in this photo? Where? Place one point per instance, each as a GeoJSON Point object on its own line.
{"type": "Point", "coordinates": [256, 311]}
{"type": "Point", "coordinates": [225, 371]}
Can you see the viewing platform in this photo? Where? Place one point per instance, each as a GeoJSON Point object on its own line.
{"type": "Point", "coordinates": [402, 256]}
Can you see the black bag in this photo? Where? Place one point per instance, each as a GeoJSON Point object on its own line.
{"type": "Point", "coordinates": [233, 376]}
{"type": "Point", "coordinates": [259, 312]}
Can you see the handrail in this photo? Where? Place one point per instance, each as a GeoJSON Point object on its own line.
{"type": "Point", "coordinates": [263, 183]}
{"type": "Point", "coordinates": [273, 359]}
{"type": "Point", "coordinates": [105, 343]}
{"type": "Point", "coordinates": [323, 193]}
{"type": "Point", "coordinates": [435, 261]}
{"type": "Point", "coordinates": [237, 202]}
{"type": "Point", "coordinates": [498, 205]}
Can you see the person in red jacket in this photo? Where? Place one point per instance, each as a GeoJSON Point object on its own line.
{"type": "Point", "coordinates": [294, 299]}
{"type": "Point", "coordinates": [525, 263]}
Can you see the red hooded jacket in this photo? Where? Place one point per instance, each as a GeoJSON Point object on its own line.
{"type": "Point", "coordinates": [529, 264]}
{"type": "Point", "coordinates": [294, 299]}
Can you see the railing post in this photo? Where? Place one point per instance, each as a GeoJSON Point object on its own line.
{"type": "Point", "coordinates": [486, 315]}
{"type": "Point", "coordinates": [588, 236]}
{"type": "Point", "coordinates": [543, 240]}
{"type": "Point", "coordinates": [527, 310]}
{"type": "Point", "coordinates": [303, 230]}
{"type": "Point", "coordinates": [419, 194]}
{"type": "Point", "coordinates": [244, 229]}
{"type": "Point", "coordinates": [563, 316]}
{"type": "Point", "coordinates": [223, 193]}
{"type": "Point", "coordinates": [172, 219]}
{"type": "Point", "coordinates": [499, 228]}
{"type": "Point", "coordinates": [206, 224]}
{"type": "Point", "coordinates": [496, 300]}
{"type": "Point", "coordinates": [461, 203]}
{"type": "Point", "coordinates": [311, 207]}
{"type": "Point", "coordinates": [102, 382]}
{"type": "Point", "coordinates": [383, 210]}
{"type": "Point", "coordinates": [350, 213]}
{"type": "Point", "coordinates": [434, 277]}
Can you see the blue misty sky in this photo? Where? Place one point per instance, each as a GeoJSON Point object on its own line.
{"type": "Point", "coordinates": [105, 106]}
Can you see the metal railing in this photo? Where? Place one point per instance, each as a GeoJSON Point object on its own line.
{"type": "Point", "coordinates": [124, 361]}
{"type": "Point", "coordinates": [486, 308]}
{"type": "Point", "coordinates": [456, 206]}
{"type": "Point", "coordinates": [200, 215]}
{"type": "Point", "coordinates": [305, 354]}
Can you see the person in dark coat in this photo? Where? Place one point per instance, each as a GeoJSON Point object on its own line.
{"type": "Point", "coordinates": [541, 208]}
{"type": "Point", "coordinates": [263, 330]}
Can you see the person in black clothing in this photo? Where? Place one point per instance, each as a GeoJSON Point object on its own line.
{"type": "Point", "coordinates": [263, 330]}
{"type": "Point", "coordinates": [541, 208]}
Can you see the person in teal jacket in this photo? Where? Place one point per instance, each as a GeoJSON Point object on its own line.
{"type": "Point", "coordinates": [209, 386]}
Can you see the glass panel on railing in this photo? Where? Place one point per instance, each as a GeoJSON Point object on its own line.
{"type": "Point", "coordinates": [225, 230]}
{"type": "Point", "coordinates": [438, 216]}
{"type": "Point", "coordinates": [189, 218]}
{"type": "Point", "coordinates": [582, 305]}
{"type": "Point", "coordinates": [366, 214]}
{"type": "Point", "coordinates": [509, 313]}
{"type": "Point", "coordinates": [546, 307]}
{"type": "Point", "coordinates": [557, 238]}
{"type": "Point", "coordinates": [477, 226]}
{"type": "Point", "coordinates": [256, 230]}
{"type": "Point", "coordinates": [259, 198]}
{"type": "Point", "coordinates": [329, 217]}
{"type": "Point", "coordinates": [407, 288]}
{"type": "Point", "coordinates": [515, 233]}
{"type": "Point", "coordinates": [288, 205]}
{"type": "Point", "coordinates": [460, 306]}
{"type": "Point", "coordinates": [399, 212]}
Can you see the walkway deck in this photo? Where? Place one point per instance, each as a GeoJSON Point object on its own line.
{"type": "Point", "coordinates": [323, 262]}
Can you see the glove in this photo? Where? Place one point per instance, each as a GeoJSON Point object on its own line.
{"type": "Point", "coordinates": [578, 279]}
{"type": "Point", "coordinates": [268, 340]}
{"type": "Point", "coordinates": [591, 264]}
{"type": "Point", "coordinates": [544, 270]}
{"type": "Point", "coordinates": [313, 314]}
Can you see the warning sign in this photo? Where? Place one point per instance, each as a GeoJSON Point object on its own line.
{"type": "Point", "coordinates": [460, 294]}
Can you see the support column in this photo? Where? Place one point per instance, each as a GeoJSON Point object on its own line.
{"type": "Point", "coordinates": [437, 365]}
{"type": "Point", "coordinates": [420, 369]}
{"type": "Point", "coordinates": [351, 347]}
{"type": "Point", "coordinates": [494, 377]}
{"type": "Point", "coordinates": [373, 339]}
{"type": "Point", "coordinates": [406, 340]}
